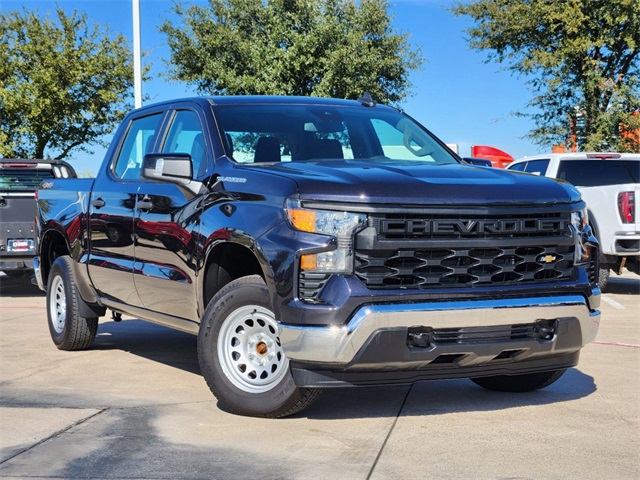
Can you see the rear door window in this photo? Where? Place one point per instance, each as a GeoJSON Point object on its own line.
{"type": "Point", "coordinates": [518, 167]}
{"type": "Point", "coordinates": [593, 173]}
{"type": "Point", "coordinates": [138, 141]}
{"type": "Point", "coordinates": [537, 167]}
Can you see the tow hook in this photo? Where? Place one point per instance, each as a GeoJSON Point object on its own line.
{"type": "Point", "coordinates": [545, 329]}
{"type": "Point", "coordinates": [419, 339]}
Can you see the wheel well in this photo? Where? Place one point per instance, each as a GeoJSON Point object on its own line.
{"type": "Point", "coordinates": [604, 259]}
{"type": "Point", "coordinates": [593, 223]}
{"type": "Point", "coordinates": [226, 263]}
{"type": "Point", "coordinates": [53, 246]}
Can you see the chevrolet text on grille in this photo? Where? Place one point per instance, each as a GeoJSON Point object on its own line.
{"type": "Point", "coordinates": [473, 227]}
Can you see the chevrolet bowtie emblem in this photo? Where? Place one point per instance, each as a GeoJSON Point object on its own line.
{"type": "Point", "coordinates": [548, 259]}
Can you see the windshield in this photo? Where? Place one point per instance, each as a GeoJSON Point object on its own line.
{"type": "Point", "coordinates": [294, 133]}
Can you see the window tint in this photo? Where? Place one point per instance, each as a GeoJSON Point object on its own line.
{"type": "Point", "coordinates": [519, 167]}
{"type": "Point", "coordinates": [258, 147]}
{"type": "Point", "coordinates": [592, 173]}
{"type": "Point", "coordinates": [404, 140]}
{"type": "Point", "coordinates": [291, 133]}
{"type": "Point", "coordinates": [186, 136]}
{"type": "Point", "coordinates": [280, 145]}
{"type": "Point", "coordinates": [138, 141]}
{"type": "Point", "coordinates": [537, 167]}
{"type": "Point", "coordinates": [18, 180]}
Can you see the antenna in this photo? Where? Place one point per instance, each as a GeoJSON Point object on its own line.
{"type": "Point", "coordinates": [367, 100]}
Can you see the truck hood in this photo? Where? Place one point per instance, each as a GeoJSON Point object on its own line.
{"type": "Point", "coordinates": [396, 182]}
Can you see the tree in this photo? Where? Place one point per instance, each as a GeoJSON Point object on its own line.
{"type": "Point", "coordinates": [583, 61]}
{"type": "Point", "coordinates": [62, 85]}
{"type": "Point", "coordinates": [336, 48]}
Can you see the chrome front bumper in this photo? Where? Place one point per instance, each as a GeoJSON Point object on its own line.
{"type": "Point", "coordinates": [340, 345]}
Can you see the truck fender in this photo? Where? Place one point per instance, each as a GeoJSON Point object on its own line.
{"type": "Point", "coordinates": [236, 256]}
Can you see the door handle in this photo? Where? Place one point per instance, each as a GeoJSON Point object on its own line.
{"type": "Point", "coordinates": [98, 203]}
{"type": "Point", "coordinates": [145, 204]}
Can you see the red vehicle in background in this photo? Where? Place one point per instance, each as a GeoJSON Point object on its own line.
{"type": "Point", "coordinates": [498, 158]}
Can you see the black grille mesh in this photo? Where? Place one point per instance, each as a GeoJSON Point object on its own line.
{"type": "Point", "coordinates": [455, 267]}
{"type": "Point", "coordinates": [387, 261]}
{"type": "Point", "coordinates": [483, 334]}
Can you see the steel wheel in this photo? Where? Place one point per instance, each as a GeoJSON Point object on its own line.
{"type": "Point", "coordinates": [241, 357]}
{"type": "Point", "coordinates": [68, 328]}
{"type": "Point", "coordinates": [249, 349]}
{"type": "Point", "coordinates": [58, 304]}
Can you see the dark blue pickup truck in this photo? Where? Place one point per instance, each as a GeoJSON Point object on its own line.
{"type": "Point", "coordinates": [314, 243]}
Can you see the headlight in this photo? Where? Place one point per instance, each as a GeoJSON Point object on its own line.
{"type": "Point", "coordinates": [580, 220]}
{"type": "Point", "coordinates": [580, 224]}
{"type": "Point", "coordinates": [342, 225]}
{"type": "Point", "coordinates": [327, 222]}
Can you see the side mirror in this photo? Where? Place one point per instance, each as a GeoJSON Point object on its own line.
{"type": "Point", "coordinates": [482, 162]}
{"type": "Point", "coordinates": [175, 168]}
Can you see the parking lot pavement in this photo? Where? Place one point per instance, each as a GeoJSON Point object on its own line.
{"type": "Point", "coordinates": [136, 407]}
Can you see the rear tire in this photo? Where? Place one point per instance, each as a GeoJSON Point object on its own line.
{"type": "Point", "coordinates": [603, 278]}
{"type": "Point", "coordinates": [519, 383]}
{"type": "Point", "coordinates": [241, 357]}
{"type": "Point", "coordinates": [69, 330]}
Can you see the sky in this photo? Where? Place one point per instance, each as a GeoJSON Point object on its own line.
{"type": "Point", "coordinates": [457, 95]}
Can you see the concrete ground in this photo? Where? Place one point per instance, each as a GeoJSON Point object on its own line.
{"type": "Point", "coordinates": [136, 407]}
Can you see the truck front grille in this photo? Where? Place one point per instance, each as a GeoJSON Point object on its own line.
{"type": "Point", "coordinates": [464, 251]}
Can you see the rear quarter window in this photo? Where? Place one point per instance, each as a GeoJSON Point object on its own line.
{"type": "Point", "coordinates": [594, 173]}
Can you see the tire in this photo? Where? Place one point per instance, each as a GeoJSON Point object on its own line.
{"type": "Point", "coordinates": [69, 330]}
{"type": "Point", "coordinates": [240, 354]}
{"type": "Point", "coordinates": [519, 383]}
{"type": "Point", "coordinates": [603, 278]}
{"type": "Point", "coordinates": [633, 265]}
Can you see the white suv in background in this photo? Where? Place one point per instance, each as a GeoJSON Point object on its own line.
{"type": "Point", "coordinates": [610, 184]}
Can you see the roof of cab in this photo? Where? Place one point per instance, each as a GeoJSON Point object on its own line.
{"type": "Point", "coordinates": [261, 100]}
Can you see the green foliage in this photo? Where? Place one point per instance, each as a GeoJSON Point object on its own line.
{"type": "Point", "coordinates": [583, 59]}
{"type": "Point", "coordinates": [63, 84]}
{"type": "Point", "coordinates": [334, 48]}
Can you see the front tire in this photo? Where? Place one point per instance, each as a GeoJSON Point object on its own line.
{"type": "Point", "coordinates": [69, 330]}
{"type": "Point", "coordinates": [519, 383]}
{"type": "Point", "coordinates": [241, 357]}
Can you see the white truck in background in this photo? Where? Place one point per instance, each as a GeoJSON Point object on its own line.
{"type": "Point", "coordinates": [610, 185]}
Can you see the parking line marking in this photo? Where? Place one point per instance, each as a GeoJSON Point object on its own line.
{"type": "Point", "coordinates": [613, 303]}
{"type": "Point", "coordinates": [618, 344]}
{"type": "Point", "coordinates": [22, 308]}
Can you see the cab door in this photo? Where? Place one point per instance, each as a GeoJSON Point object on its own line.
{"type": "Point", "coordinates": [112, 209]}
{"type": "Point", "coordinates": [167, 225]}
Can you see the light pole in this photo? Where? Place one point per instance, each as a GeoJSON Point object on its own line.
{"type": "Point", "coordinates": [137, 60]}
